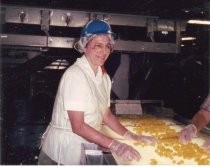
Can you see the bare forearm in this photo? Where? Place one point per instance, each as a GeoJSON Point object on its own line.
{"type": "Point", "coordinates": [111, 121]}
{"type": "Point", "coordinates": [93, 135]}
{"type": "Point", "coordinates": [86, 131]}
{"type": "Point", "coordinates": [201, 119]}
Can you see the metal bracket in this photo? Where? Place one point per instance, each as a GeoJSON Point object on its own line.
{"type": "Point", "coordinates": [67, 18]}
{"type": "Point", "coordinates": [104, 17]}
{"type": "Point", "coordinates": [23, 17]}
{"type": "Point", "coordinates": [45, 24]}
{"type": "Point", "coordinates": [178, 37]}
{"type": "Point", "coordinates": [150, 29]}
{"type": "Point", "coordinates": [45, 20]}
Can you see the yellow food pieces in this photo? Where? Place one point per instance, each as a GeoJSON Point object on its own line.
{"type": "Point", "coordinates": [180, 162]}
{"type": "Point", "coordinates": [143, 120]}
{"type": "Point", "coordinates": [153, 162]}
{"type": "Point", "coordinates": [171, 148]}
{"type": "Point", "coordinates": [168, 145]}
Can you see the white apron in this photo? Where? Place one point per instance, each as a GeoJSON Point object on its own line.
{"type": "Point", "coordinates": [79, 90]}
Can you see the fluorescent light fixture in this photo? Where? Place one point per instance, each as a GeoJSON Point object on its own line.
{"type": "Point", "coordinates": [164, 32]}
{"type": "Point", "coordinates": [3, 36]}
{"type": "Point", "coordinates": [58, 65]}
{"type": "Point", "coordinates": [203, 22]}
{"type": "Point", "coordinates": [199, 62]}
{"type": "Point", "coordinates": [188, 38]}
{"type": "Point", "coordinates": [55, 67]}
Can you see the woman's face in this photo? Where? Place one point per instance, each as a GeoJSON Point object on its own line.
{"type": "Point", "coordinates": [98, 50]}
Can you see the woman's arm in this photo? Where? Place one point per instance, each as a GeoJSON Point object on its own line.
{"type": "Point", "coordinates": [84, 130]}
{"type": "Point", "coordinates": [111, 121]}
{"type": "Point", "coordinates": [201, 119]}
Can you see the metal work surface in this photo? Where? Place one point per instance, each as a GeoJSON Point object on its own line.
{"type": "Point", "coordinates": [92, 154]}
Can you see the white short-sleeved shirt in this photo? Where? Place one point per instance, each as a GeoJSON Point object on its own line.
{"type": "Point", "coordinates": [79, 90]}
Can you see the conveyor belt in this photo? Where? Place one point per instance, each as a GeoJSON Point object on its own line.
{"type": "Point", "coordinates": [168, 150]}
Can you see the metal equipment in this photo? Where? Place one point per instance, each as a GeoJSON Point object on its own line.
{"type": "Point", "coordinates": [48, 18]}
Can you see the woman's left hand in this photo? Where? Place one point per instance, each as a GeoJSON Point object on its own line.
{"type": "Point", "coordinates": [146, 139]}
{"type": "Point", "coordinates": [140, 138]}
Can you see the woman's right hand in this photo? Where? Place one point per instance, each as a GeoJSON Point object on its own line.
{"type": "Point", "coordinates": [124, 151]}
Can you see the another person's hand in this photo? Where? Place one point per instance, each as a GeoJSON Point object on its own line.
{"type": "Point", "coordinates": [206, 145]}
{"type": "Point", "coordinates": [124, 151]}
{"type": "Point", "coordinates": [140, 138]}
{"type": "Point", "coordinates": [187, 133]}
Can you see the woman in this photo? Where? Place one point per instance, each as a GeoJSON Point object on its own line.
{"type": "Point", "coordinates": [82, 104]}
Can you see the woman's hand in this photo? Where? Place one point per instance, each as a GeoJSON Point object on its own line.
{"type": "Point", "coordinates": [140, 138]}
{"type": "Point", "coordinates": [187, 133]}
{"type": "Point", "coordinates": [124, 151]}
{"type": "Point", "coordinates": [147, 139]}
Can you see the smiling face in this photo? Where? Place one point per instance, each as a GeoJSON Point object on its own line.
{"type": "Point", "coordinates": [97, 51]}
